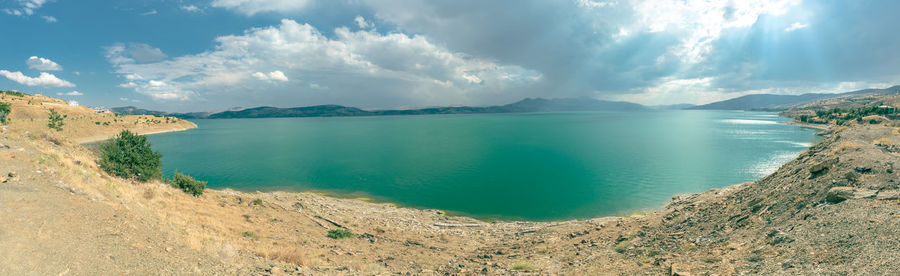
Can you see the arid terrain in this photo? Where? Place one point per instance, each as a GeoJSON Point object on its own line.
{"type": "Point", "coordinates": [833, 210]}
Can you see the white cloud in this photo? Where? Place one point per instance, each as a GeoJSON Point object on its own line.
{"type": "Point", "coordinates": [383, 64]}
{"type": "Point", "coordinates": [595, 4]}
{"type": "Point", "coordinates": [73, 93]}
{"type": "Point", "coordinates": [129, 84]}
{"type": "Point", "coordinates": [674, 90]}
{"type": "Point", "coordinates": [274, 75]}
{"type": "Point", "coordinates": [701, 22]}
{"type": "Point", "coordinates": [44, 79]}
{"type": "Point", "coordinates": [42, 64]}
{"type": "Point", "coordinates": [362, 23]}
{"type": "Point", "coordinates": [49, 19]}
{"type": "Point", "coordinates": [26, 7]}
{"type": "Point", "coordinates": [796, 26]}
{"type": "Point", "coordinates": [251, 7]}
{"type": "Point", "coordinates": [151, 12]}
{"type": "Point", "coordinates": [317, 86]}
{"type": "Point", "coordinates": [132, 52]}
{"type": "Point", "coordinates": [190, 8]}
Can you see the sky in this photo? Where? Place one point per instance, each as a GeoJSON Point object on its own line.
{"type": "Point", "coordinates": [184, 55]}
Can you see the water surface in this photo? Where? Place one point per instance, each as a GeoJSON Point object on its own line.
{"type": "Point", "coordinates": [538, 166]}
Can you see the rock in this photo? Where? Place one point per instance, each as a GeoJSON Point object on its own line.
{"type": "Point", "coordinates": [864, 193]}
{"type": "Point", "coordinates": [11, 174]}
{"type": "Point", "coordinates": [679, 270]}
{"type": "Point", "coordinates": [821, 167]}
{"type": "Point", "coordinates": [839, 194]}
{"type": "Point", "coordinates": [888, 195]}
{"type": "Point", "coordinates": [227, 251]}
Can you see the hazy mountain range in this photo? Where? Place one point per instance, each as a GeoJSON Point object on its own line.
{"type": "Point", "coordinates": [768, 102]}
{"type": "Point", "coordinates": [773, 102]}
{"type": "Point", "coordinates": [526, 105]}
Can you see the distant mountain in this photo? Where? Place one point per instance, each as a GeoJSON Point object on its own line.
{"type": "Point", "coordinates": [308, 111]}
{"type": "Point", "coordinates": [569, 104]}
{"type": "Point", "coordinates": [762, 101]}
{"type": "Point", "coordinates": [131, 110]}
{"type": "Point", "coordinates": [671, 106]}
{"type": "Point", "coordinates": [784, 102]}
{"type": "Point", "coordinates": [526, 105]}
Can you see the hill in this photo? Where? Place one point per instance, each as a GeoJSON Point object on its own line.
{"type": "Point", "coordinates": [762, 101]}
{"type": "Point", "coordinates": [82, 124]}
{"type": "Point", "coordinates": [132, 110]}
{"type": "Point", "coordinates": [784, 102]}
{"type": "Point", "coordinates": [526, 105]}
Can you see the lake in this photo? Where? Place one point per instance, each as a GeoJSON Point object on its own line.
{"type": "Point", "coordinates": [534, 166]}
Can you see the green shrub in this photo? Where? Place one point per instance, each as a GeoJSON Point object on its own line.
{"type": "Point", "coordinates": [188, 184]}
{"type": "Point", "coordinates": [257, 201]}
{"type": "Point", "coordinates": [4, 111]}
{"type": "Point", "coordinates": [249, 235]}
{"type": "Point", "coordinates": [13, 93]}
{"type": "Point", "coordinates": [340, 234]}
{"type": "Point", "coordinates": [56, 120]}
{"type": "Point", "coordinates": [521, 266]}
{"type": "Point", "coordinates": [129, 155]}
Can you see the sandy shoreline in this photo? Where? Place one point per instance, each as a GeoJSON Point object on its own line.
{"type": "Point", "coordinates": [99, 138]}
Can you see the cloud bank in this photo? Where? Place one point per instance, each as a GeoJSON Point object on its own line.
{"type": "Point", "coordinates": [387, 68]}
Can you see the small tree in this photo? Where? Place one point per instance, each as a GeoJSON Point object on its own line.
{"type": "Point", "coordinates": [4, 111]}
{"type": "Point", "coordinates": [129, 155]}
{"type": "Point", "coordinates": [56, 120]}
{"type": "Point", "coordinates": [188, 184]}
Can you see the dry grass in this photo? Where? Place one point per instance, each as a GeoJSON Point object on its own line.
{"type": "Point", "coordinates": [883, 141]}
{"type": "Point", "coordinates": [293, 255]}
{"type": "Point", "coordinates": [844, 146]}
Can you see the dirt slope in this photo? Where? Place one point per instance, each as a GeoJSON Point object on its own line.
{"type": "Point", "coordinates": [833, 210]}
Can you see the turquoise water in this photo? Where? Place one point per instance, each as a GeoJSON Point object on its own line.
{"type": "Point", "coordinates": [537, 166]}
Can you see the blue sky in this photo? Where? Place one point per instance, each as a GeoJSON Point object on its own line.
{"type": "Point", "coordinates": [207, 55]}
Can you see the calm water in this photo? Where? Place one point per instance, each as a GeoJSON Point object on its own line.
{"type": "Point", "coordinates": [542, 166]}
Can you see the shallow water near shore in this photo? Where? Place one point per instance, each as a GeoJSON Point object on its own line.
{"type": "Point", "coordinates": [534, 166]}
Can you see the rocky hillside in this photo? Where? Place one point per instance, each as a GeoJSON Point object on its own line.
{"type": "Point", "coordinates": [833, 210]}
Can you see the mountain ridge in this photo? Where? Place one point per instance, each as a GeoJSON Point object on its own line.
{"type": "Point", "coordinates": [753, 102]}
{"type": "Point", "coordinates": [332, 110]}
{"type": "Point", "coordinates": [773, 102]}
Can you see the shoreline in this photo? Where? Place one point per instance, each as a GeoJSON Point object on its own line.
{"type": "Point", "coordinates": [807, 125]}
{"type": "Point", "coordinates": [152, 226]}
{"type": "Point", "coordinates": [367, 198]}
{"type": "Point", "coordinates": [100, 138]}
